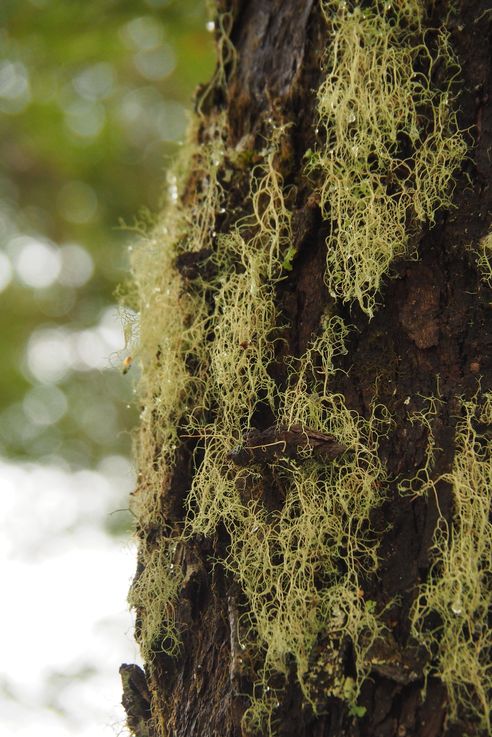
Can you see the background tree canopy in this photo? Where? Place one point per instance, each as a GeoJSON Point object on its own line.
{"type": "Point", "coordinates": [93, 103]}
{"type": "Point", "coordinates": [93, 100]}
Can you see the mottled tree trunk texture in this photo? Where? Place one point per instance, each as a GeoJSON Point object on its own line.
{"type": "Point", "coordinates": [314, 545]}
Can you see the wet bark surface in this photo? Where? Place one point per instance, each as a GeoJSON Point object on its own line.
{"type": "Point", "coordinates": [432, 333]}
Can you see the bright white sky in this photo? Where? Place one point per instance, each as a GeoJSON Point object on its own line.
{"type": "Point", "coordinates": [64, 625]}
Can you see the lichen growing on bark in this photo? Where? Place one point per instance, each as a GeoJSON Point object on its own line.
{"type": "Point", "coordinates": [387, 147]}
{"type": "Point", "coordinates": [484, 261]}
{"type": "Point", "coordinates": [450, 612]}
{"type": "Point", "coordinates": [385, 164]}
{"type": "Point", "coordinates": [153, 594]}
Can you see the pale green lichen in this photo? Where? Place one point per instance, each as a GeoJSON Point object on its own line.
{"type": "Point", "coordinates": [384, 164]}
{"type": "Point", "coordinates": [484, 261]}
{"type": "Point", "coordinates": [225, 51]}
{"type": "Point", "coordinates": [300, 566]}
{"type": "Point", "coordinates": [171, 326]}
{"type": "Point", "coordinates": [207, 350]}
{"type": "Point", "coordinates": [458, 590]}
{"type": "Point", "coordinates": [244, 322]}
{"type": "Point", "coordinates": [153, 594]}
{"type": "Point", "coordinates": [425, 417]}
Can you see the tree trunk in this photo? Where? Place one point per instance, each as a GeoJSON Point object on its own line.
{"type": "Point", "coordinates": [314, 491]}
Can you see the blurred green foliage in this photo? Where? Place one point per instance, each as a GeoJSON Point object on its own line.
{"type": "Point", "coordinates": [93, 102]}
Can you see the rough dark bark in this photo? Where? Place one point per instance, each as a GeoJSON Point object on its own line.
{"type": "Point", "coordinates": [433, 325]}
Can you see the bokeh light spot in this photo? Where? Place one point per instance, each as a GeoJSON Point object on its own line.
{"type": "Point", "coordinates": [77, 202]}
{"type": "Point", "coordinates": [49, 354]}
{"type": "Point", "coordinates": [91, 350]}
{"type": "Point", "coordinates": [172, 121]}
{"type": "Point", "coordinates": [85, 118]}
{"type": "Point", "coordinates": [142, 33]}
{"type": "Point", "coordinates": [76, 265]}
{"type": "Point", "coordinates": [155, 64]}
{"type": "Point", "coordinates": [37, 261]}
{"type": "Point", "coordinates": [137, 111]}
{"type": "Point", "coordinates": [13, 425]}
{"type": "Point", "coordinates": [111, 329]}
{"type": "Point", "coordinates": [99, 421]}
{"type": "Point", "coordinates": [45, 404]}
{"type": "Point", "coordinates": [15, 92]}
{"type": "Point", "coordinates": [120, 470]}
{"type": "Point", "coordinates": [95, 82]}
{"type": "Point", "coordinates": [5, 271]}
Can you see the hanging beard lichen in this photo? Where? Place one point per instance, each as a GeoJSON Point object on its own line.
{"type": "Point", "coordinates": [384, 162]}
{"type": "Point", "coordinates": [450, 613]}
{"type": "Point", "coordinates": [386, 149]}
{"type": "Point", "coordinates": [484, 261]}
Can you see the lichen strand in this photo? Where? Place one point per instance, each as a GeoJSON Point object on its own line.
{"type": "Point", "coordinates": [173, 326]}
{"type": "Point", "coordinates": [243, 324]}
{"type": "Point", "coordinates": [173, 321]}
{"type": "Point", "coordinates": [484, 261]}
{"type": "Point", "coordinates": [299, 538]}
{"type": "Point", "coordinates": [388, 144]}
{"type": "Point", "coordinates": [153, 594]}
{"type": "Point", "coordinates": [300, 565]}
{"type": "Point", "coordinates": [458, 587]}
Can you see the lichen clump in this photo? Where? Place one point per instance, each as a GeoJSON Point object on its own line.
{"type": "Point", "coordinates": [299, 533]}
{"type": "Point", "coordinates": [385, 164]}
{"type": "Point", "coordinates": [173, 325]}
{"type": "Point", "coordinates": [484, 261]}
{"type": "Point", "coordinates": [287, 560]}
{"type": "Point", "coordinates": [457, 597]}
{"type": "Point", "coordinates": [154, 593]}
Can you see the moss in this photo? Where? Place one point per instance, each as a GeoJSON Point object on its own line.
{"type": "Point", "coordinates": [385, 161]}
{"type": "Point", "coordinates": [458, 591]}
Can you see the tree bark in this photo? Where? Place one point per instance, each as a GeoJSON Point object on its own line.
{"type": "Point", "coordinates": [422, 354]}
